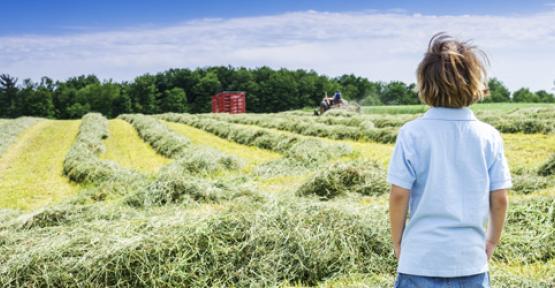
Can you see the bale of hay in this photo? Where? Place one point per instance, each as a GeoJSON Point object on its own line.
{"type": "Point", "coordinates": [363, 177]}
{"type": "Point", "coordinates": [548, 168]}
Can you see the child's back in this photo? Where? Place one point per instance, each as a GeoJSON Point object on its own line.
{"type": "Point", "coordinates": [455, 161]}
{"type": "Point", "coordinates": [448, 162]}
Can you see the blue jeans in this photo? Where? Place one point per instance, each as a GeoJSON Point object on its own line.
{"type": "Point", "coordinates": [414, 281]}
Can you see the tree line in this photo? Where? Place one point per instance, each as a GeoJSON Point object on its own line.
{"type": "Point", "coordinates": [190, 90]}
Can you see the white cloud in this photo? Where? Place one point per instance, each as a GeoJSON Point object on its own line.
{"type": "Point", "coordinates": [380, 45]}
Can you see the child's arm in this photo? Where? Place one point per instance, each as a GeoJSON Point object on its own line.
{"type": "Point", "coordinates": [499, 201]}
{"type": "Point", "coordinates": [398, 206]}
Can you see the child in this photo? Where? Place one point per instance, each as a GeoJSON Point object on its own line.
{"type": "Point", "coordinates": [449, 172]}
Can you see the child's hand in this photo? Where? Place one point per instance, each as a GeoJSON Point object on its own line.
{"type": "Point", "coordinates": [397, 251]}
{"type": "Point", "coordinates": [490, 247]}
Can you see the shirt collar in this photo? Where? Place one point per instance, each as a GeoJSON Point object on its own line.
{"type": "Point", "coordinates": [444, 113]}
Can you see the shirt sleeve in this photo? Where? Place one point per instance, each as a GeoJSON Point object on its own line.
{"type": "Point", "coordinates": [499, 173]}
{"type": "Point", "coordinates": [401, 172]}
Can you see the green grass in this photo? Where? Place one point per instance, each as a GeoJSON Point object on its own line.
{"type": "Point", "coordinates": [528, 151]}
{"type": "Point", "coordinates": [125, 147]}
{"type": "Point", "coordinates": [31, 170]}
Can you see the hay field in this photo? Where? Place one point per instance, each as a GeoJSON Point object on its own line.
{"type": "Point", "coordinates": [267, 200]}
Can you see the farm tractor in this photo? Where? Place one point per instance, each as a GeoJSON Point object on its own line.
{"type": "Point", "coordinates": [335, 102]}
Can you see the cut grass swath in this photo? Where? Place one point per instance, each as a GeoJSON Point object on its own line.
{"type": "Point", "coordinates": [195, 159]}
{"type": "Point", "coordinates": [82, 163]}
{"type": "Point", "coordinates": [291, 145]}
{"type": "Point", "coordinates": [339, 179]}
{"type": "Point", "coordinates": [11, 129]}
{"type": "Point", "coordinates": [125, 147]}
{"type": "Point", "coordinates": [163, 140]}
{"type": "Point", "coordinates": [31, 171]}
{"type": "Point", "coordinates": [253, 155]}
{"type": "Point", "coordinates": [311, 128]}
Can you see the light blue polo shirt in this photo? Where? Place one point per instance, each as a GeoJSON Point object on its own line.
{"type": "Point", "coordinates": [450, 162]}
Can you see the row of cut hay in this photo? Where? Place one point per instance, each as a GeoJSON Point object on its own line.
{"type": "Point", "coordinates": [248, 244]}
{"type": "Point", "coordinates": [526, 120]}
{"type": "Point", "coordinates": [180, 182]}
{"type": "Point", "coordinates": [175, 185]}
{"type": "Point", "coordinates": [82, 164]}
{"type": "Point", "coordinates": [293, 124]}
{"type": "Point", "coordinates": [362, 120]}
{"type": "Point", "coordinates": [191, 159]}
{"type": "Point", "coordinates": [308, 127]}
{"type": "Point", "coordinates": [157, 135]}
{"type": "Point", "coordinates": [245, 245]}
{"type": "Point", "coordinates": [339, 179]}
{"type": "Point", "coordinates": [298, 148]}
{"type": "Point", "coordinates": [304, 155]}
{"type": "Point", "coordinates": [530, 120]}
{"type": "Point", "coordinates": [526, 183]}
{"type": "Point", "coordinates": [529, 234]}
{"type": "Point", "coordinates": [11, 129]}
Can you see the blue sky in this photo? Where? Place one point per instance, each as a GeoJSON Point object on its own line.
{"type": "Point", "coordinates": [71, 16]}
{"type": "Point", "coordinates": [381, 40]}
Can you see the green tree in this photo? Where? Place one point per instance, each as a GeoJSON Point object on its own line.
{"type": "Point", "coordinates": [64, 96]}
{"type": "Point", "coordinates": [100, 97]}
{"type": "Point", "coordinates": [398, 93]}
{"type": "Point", "coordinates": [173, 100]}
{"type": "Point", "coordinates": [545, 97]}
{"type": "Point", "coordinates": [244, 80]}
{"type": "Point", "coordinates": [279, 92]}
{"type": "Point", "coordinates": [36, 101]}
{"type": "Point", "coordinates": [143, 94]}
{"type": "Point", "coordinates": [525, 95]}
{"type": "Point", "coordinates": [203, 91]}
{"type": "Point", "coordinates": [497, 92]}
{"type": "Point", "coordinates": [122, 103]}
{"type": "Point", "coordinates": [9, 106]}
{"type": "Point", "coordinates": [77, 110]}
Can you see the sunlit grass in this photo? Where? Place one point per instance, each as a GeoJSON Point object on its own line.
{"type": "Point", "coordinates": [378, 152]}
{"type": "Point", "coordinates": [252, 155]}
{"type": "Point", "coordinates": [125, 147]}
{"type": "Point", "coordinates": [528, 151]}
{"type": "Point", "coordinates": [282, 183]}
{"type": "Point", "coordinates": [31, 169]}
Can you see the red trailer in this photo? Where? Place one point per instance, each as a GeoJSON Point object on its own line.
{"type": "Point", "coordinates": [229, 102]}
